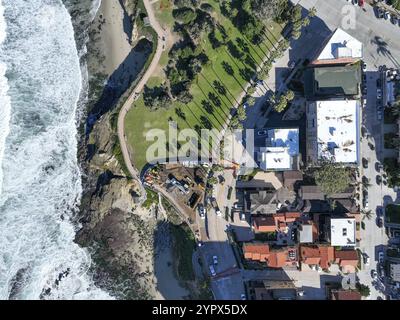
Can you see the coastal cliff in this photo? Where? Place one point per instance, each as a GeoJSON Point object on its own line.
{"type": "Point", "coordinates": [117, 231]}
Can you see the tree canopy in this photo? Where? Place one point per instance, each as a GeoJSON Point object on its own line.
{"type": "Point", "coordinates": [332, 178]}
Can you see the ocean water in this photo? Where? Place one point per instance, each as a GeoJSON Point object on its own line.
{"type": "Point", "coordinates": [40, 180]}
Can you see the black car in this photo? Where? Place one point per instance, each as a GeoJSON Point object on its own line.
{"type": "Point", "coordinates": [378, 179]}
{"type": "Point", "coordinates": [365, 163]}
{"type": "Point", "coordinates": [379, 222]}
{"type": "Point", "coordinates": [380, 13]}
{"type": "Point", "coordinates": [379, 83]}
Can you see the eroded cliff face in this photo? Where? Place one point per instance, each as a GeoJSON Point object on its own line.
{"type": "Point", "coordinates": [116, 229]}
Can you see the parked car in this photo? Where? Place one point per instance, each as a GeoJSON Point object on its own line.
{"type": "Point", "coordinates": [379, 114]}
{"type": "Point", "coordinates": [364, 90]}
{"type": "Point", "coordinates": [365, 163]}
{"type": "Point", "coordinates": [364, 66]}
{"type": "Point", "coordinates": [378, 179]}
{"type": "Point", "coordinates": [242, 216]}
{"type": "Point", "coordinates": [262, 133]}
{"type": "Point", "coordinates": [212, 270]}
{"type": "Point", "coordinates": [381, 13]}
{"type": "Point", "coordinates": [365, 200]}
{"type": "Point", "coordinates": [202, 211]}
{"type": "Point", "coordinates": [378, 93]}
{"type": "Point", "coordinates": [386, 15]}
{"type": "Point", "coordinates": [379, 222]}
{"type": "Point", "coordinates": [242, 296]}
{"type": "Point", "coordinates": [394, 19]}
{"type": "Point", "coordinates": [293, 234]}
{"type": "Point", "coordinates": [378, 166]}
{"type": "Point", "coordinates": [366, 259]}
{"type": "Point", "coordinates": [380, 256]}
{"type": "Point", "coordinates": [374, 274]}
{"type": "Point", "coordinates": [379, 83]}
{"type": "Point", "coordinates": [215, 260]}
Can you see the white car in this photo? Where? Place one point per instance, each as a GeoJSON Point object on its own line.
{"type": "Point", "coordinates": [218, 212]}
{"type": "Point", "coordinates": [212, 270]}
{"type": "Point", "coordinates": [364, 66]}
{"type": "Point", "coordinates": [215, 260]}
{"type": "Point", "coordinates": [242, 296]}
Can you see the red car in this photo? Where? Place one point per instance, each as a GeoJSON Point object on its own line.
{"type": "Point", "coordinates": [361, 3]}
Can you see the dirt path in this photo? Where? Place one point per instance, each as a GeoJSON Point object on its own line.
{"type": "Point", "coordinates": [162, 36]}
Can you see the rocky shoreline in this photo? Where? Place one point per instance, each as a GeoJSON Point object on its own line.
{"type": "Point", "coordinates": [117, 232]}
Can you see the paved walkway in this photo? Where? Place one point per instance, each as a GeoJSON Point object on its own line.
{"type": "Point", "coordinates": [139, 87]}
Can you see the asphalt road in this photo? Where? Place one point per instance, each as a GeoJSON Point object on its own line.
{"type": "Point", "coordinates": [381, 47]}
{"type": "Point", "coordinates": [380, 37]}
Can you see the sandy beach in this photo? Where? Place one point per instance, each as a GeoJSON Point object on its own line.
{"type": "Point", "coordinates": [113, 42]}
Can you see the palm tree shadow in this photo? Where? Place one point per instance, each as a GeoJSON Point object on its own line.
{"type": "Point", "coordinates": [382, 49]}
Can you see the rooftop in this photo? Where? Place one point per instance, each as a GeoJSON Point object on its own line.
{"type": "Point", "coordinates": [275, 258]}
{"type": "Point", "coordinates": [395, 271]}
{"type": "Point", "coordinates": [332, 81]}
{"type": "Point", "coordinates": [343, 231]}
{"type": "Point", "coordinates": [337, 130]}
{"type": "Point", "coordinates": [317, 255]}
{"type": "Point", "coordinates": [281, 146]}
{"type": "Point", "coordinates": [306, 233]}
{"type": "Point", "coordinates": [345, 295]}
{"type": "Point", "coordinates": [341, 45]}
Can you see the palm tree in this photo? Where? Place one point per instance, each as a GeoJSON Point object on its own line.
{"type": "Point", "coordinates": [367, 214]}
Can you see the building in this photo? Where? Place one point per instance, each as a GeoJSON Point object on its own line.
{"type": "Point", "coordinates": [274, 222]}
{"type": "Point", "coordinates": [343, 232]}
{"type": "Point", "coordinates": [263, 194]}
{"type": "Point", "coordinates": [332, 82]}
{"type": "Point", "coordinates": [307, 232]}
{"type": "Point", "coordinates": [264, 224]}
{"type": "Point", "coordinates": [394, 271]}
{"type": "Point", "coordinates": [333, 131]}
{"type": "Point", "coordinates": [274, 290]}
{"type": "Point", "coordinates": [274, 258]}
{"type": "Point", "coordinates": [317, 255]}
{"type": "Point", "coordinates": [341, 48]}
{"type": "Point", "coordinates": [281, 151]}
{"type": "Point", "coordinates": [341, 294]}
{"type": "Point", "coordinates": [290, 178]}
{"type": "Point", "coordinates": [347, 260]}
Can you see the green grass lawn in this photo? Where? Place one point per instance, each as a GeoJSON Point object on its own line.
{"type": "Point", "coordinates": [140, 119]}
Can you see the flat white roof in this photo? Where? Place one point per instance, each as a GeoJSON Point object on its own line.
{"type": "Point", "coordinates": [282, 145]}
{"type": "Point", "coordinates": [341, 45]}
{"type": "Point", "coordinates": [274, 158]}
{"type": "Point", "coordinates": [343, 231]}
{"type": "Point", "coordinates": [338, 130]}
{"type": "Point", "coordinates": [306, 233]}
{"type": "Point", "coordinates": [286, 138]}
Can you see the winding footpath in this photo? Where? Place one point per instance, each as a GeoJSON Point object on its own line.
{"type": "Point", "coordinates": [139, 87]}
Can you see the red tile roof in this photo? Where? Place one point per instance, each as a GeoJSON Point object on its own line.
{"type": "Point", "coordinates": [346, 257]}
{"type": "Point", "coordinates": [264, 224]}
{"type": "Point", "coordinates": [345, 295]}
{"type": "Point", "coordinates": [274, 258]}
{"type": "Point", "coordinates": [322, 255]}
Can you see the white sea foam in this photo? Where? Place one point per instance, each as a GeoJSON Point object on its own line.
{"type": "Point", "coordinates": [5, 104]}
{"type": "Point", "coordinates": [41, 177]}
